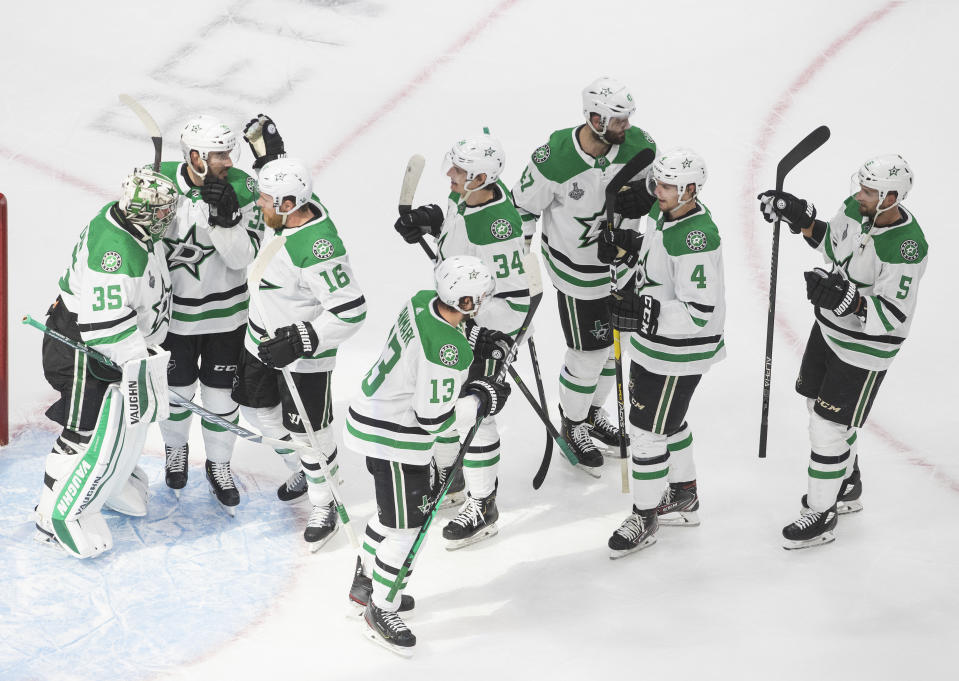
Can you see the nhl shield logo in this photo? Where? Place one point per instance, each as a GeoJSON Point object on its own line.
{"type": "Point", "coordinates": [541, 154]}
{"type": "Point", "coordinates": [111, 261]}
{"type": "Point", "coordinates": [576, 193]}
{"type": "Point", "coordinates": [449, 354]}
{"type": "Point", "coordinates": [909, 250]}
{"type": "Point", "coordinates": [696, 240]}
{"type": "Point", "coordinates": [501, 229]}
{"type": "Point", "coordinates": [323, 249]}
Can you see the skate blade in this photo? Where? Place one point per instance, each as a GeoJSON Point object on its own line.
{"type": "Point", "coordinates": [646, 543]}
{"type": "Point", "coordinates": [371, 635]}
{"type": "Point", "coordinates": [680, 519]}
{"type": "Point", "coordinates": [317, 545]}
{"type": "Point", "coordinates": [824, 538]}
{"type": "Point", "coordinates": [845, 507]}
{"type": "Point", "coordinates": [591, 472]}
{"type": "Point", "coordinates": [485, 533]}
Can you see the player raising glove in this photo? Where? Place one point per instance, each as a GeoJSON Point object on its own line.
{"type": "Point", "coordinates": [419, 221]}
{"type": "Point", "coordinates": [632, 312]}
{"type": "Point", "coordinates": [264, 140]}
{"type": "Point", "coordinates": [634, 200]}
{"type": "Point", "coordinates": [491, 395]}
{"type": "Point", "coordinates": [832, 291]}
{"type": "Point", "coordinates": [288, 344]}
{"type": "Point", "coordinates": [796, 213]}
{"type": "Point", "coordinates": [224, 205]}
{"type": "Point", "coordinates": [618, 246]}
{"type": "Point", "coordinates": [488, 343]}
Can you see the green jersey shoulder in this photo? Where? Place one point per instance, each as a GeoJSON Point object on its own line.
{"type": "Point", "coordinates": [559, 159]}
{"type": "Point", "coordinates": [113, 250]}
{"type": "Point", "coordinates": [903, 244]}
{"type": "Point", "coordinates": [317, 242]}
{"type": "Point", "coordinates": [493, 222]}
{"type": "Point", "coordinates": [442, 344]}
{"type": "Point", "coordinates": [694, 234]}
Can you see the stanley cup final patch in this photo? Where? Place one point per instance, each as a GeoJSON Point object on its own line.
{"type": "Point", "coordinates": [449, 355]}
{"type": "Point", "coordinates": [696, 240]}
{"type": "Point", "coordinates": [323, 249]}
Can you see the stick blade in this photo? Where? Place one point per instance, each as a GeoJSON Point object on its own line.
{"type": "Point", "coordinates": [151, 126]}
{"type": "Point", "coordinates": [411, 178]}
{"type": "Point", "coordinates": [806, 146]}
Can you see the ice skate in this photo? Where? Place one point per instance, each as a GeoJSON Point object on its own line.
{"type": "Point", "coordinates": [362, 590]}
{"type": "Point", "coordinates": [811, 529]}
{"type": "Point", "coordinates": [475, 521]}
{"type": "Point", "coordinates": [388, 629]}
{"type": "Point", "coordinates": [679, 505]}
{"type": "Point", "coordinates": [577, 434]}
{"type": "Point", "coordinates": [637, 532]}
{"type": "Point", "coordinates": [176, 467]}
{"type": "Point", "coordinates": [604, 430]}
{"type": "Point", "coordinates": [456, 494]}
{"type": "Point", "coordinates": [848, 499]}
{"type": "Point", "coordinates": [321, 526]}
{"type": "Point", "coordinates": [222, 486]}
{"type": "Point", "coordinates": [293, 489]}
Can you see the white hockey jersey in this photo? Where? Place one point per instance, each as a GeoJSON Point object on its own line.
{"type": "Point", "coordinates": [208, 264]}
{"type": "Point", "coordinates": [492, 232]}
{"type": "Point", "coordinates": [310, 279]}
{"type": "Point", "coordinates": [119, 288]}
{"type": "Point", "coordinates": [567, 187]}
{"type": "Point", "coordinates": [683, 264]}
{"type": "Point", "coordinates": [408, 399]}
{"type": "Point", "coordinates": [886, 264]}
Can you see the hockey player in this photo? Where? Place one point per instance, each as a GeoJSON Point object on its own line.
{"type": "Point", "coordinates": [216, 236]}
{"type": "Point", "coordinates": [418, 391]}
{"type": "Point", "coordinates": [565, 183]}
{"type": "Point", "coordinates": [313, 303]}
{"type": "Point", "coordinates": [675, 308]}
{"type": "Point", "coordinates": [115, 297]}
{"type": "Point", "coordinates": [480, 221]}
{"type": "Point", "coordinates": [864, 306]}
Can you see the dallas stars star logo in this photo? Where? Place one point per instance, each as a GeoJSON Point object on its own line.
{"type": "Point", "coordinates": [687, 162]}
{"type": "Point", "coordinates": [600, 330]}
{"type": "Point", "coordinates": [162, 308]}
{"type": "Point", "coordinates": [473, 274]}
{"type": "Point", "coordinates": [644, 269]}
{"type": "Point", "coordinates": [425, 506]}
{"type": "Point", "coordinates": [606, 91]}
{"type": "Point", "coordinates": [489, 151]}
{"type": "Point", "coordinates": [894, 171]}
{"type": "Point", "coordinates": [590, 227]}
{"type": "Point", "coordinates": [187, 253]}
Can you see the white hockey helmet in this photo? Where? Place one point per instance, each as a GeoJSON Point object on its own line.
{"type": "Point", "coordinates": [610, 99]}
{"type": "Point", "coordinates": [885, 173]}
{"type": "Point", "coordinates": [478, 156]}
{"type": "Point", "coordinates": [680, 167]}
{"type": "Point", "coordinates": [205, 134]}
{"type": "Point", "coordinates": [149, 202]}
{"type": "Point", "coordinates": [460, 277]}
{"type": "Point", "coordinates": [286, 178]}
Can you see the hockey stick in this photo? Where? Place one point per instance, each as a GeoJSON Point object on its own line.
{"type": "Point", "coordinates": [411, 178]}
{"type": "Point", "coordinates": [431, 509]}
{"type": "Point", "coordinates": [151, 125]}
{"type": "Point", "coordinates": [257, 269]}
{"type": "Point", "coordinates": [625, 174]}
{"type": "Point", "coordinates": [174, 397]}
{"type": "Point", "coordinates": [808, 145]}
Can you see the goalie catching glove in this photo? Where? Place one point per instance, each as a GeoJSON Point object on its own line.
{"type": "Point", "coordinates": [631, 312]}
{"type": "Point", "coordinates": [419, 221]}
{"type": "Point", "coordinates": [832, 291]}
{"type": "Point", "coordinates": [264, 140]}
{"type": "Point", "coordinates": [488, 343]}
{"type": "Point", "coordinates": [618, 246]}
{"type": "Point", "coordinates": [289, 343]}
{"type": "Point", "coordinates": [221, 198]}
{"type": "Point", "coordinates": [491, 395]}
{"type": "Point", "coordinates": [796, 213]}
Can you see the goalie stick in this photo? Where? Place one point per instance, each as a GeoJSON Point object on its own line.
{"type": "Point", "coordinates": [151, 125]}
{"type": "Point", "coordinates": [807, 146]}
{"type": "Point", "coordinates": [625, 174]}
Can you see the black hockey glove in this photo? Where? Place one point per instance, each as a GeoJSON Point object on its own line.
{"type": "Point", "coordinates": [288, 344]}
{"type": "Point", "coordinates": [632, 312]}
{"type": "Point", "coordinates": [224, 206]}
{"type": "Point", "coordinates": [618, 246]}
{"type": "Point", "coordinates": [634, 201]}
{"type": "Point", "coordinates": [419, 221]}
{"type": "Point", "coordinates": [264, 140]}
{"type": "Point", "coordinates": [488, 343]}
{"type": "Point", "coordinates": [796, 213]}
{"type": "Point", "coordinates": [832, 291]}
{"type": "Point", "coordinates": [490, 393]}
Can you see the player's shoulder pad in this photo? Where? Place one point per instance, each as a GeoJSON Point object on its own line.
{"type": "Point", "coordinates": [696, 234]}
{"type": "Point", "coordinates": [113, 250]}
{"type": "Point", "coordinates": [558, 159]}
{"type": "Point", "coordinates": [850, 208]}
{"type": "Point", "coordinates": [316, 242]}
{"type": "Point", "coordinates": [495, 222]}
{"type": "Point", "coordinates": [636, 140]}
{"type": "Point", "coordinates": [442, 344]}
{"type": "Point", "coordinates": [245, 186]}
{"type": "Point", "coordinates": [902, 245]}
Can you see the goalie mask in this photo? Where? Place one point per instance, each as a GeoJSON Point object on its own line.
{"type": "Point", "coordinates": [206, 134]}
{"type": "Point", "coordinates": [679, 167]}
{"type": "Point", "coordinates": [886, 173]}
{"type": "Point", "coordinates": [477, 156]}
{"type": "Point", "coordinates": [149, 202]}
{"type": "Point", "coordinates": [462, 277]}
{"type": "Point", "coordinates": [286, 178]}
{"type": "Point", "coordinates": [610, 99]}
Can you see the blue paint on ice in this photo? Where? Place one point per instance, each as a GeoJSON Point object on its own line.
{"type": "Point", "coordinates": [178, 583]}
